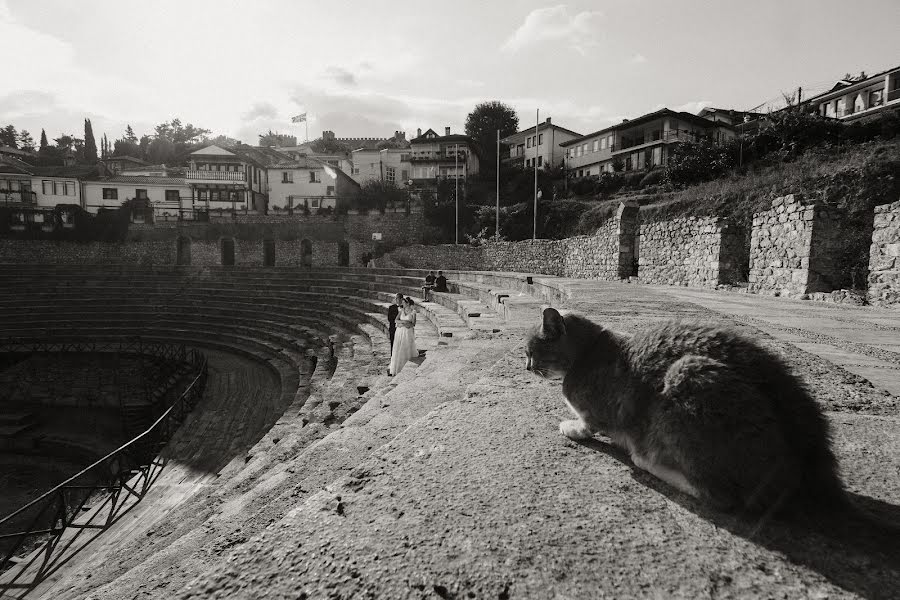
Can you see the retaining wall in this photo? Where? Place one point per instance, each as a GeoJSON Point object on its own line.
{"type": "Point", "coordinates": [690, 251]}
{"type": "Point", "coordinates": [795, 249]}
{"type": "Point", "coordinates": [884, 256]}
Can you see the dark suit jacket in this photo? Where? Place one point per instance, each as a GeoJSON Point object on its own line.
{"type": "Point", "coordinates": [393, 311]}
{"type": "Point", "coordinates": [440, 284]}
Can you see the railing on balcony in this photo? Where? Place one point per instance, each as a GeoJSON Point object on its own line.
{"type": "Point", "coordinates": [666, 136]}
{"type": "Point", "coordinates": [237, 176]}
{"type": "Point", "coordinates": [433, 155]}
{"type": "Point", "coordinates": [893, 95]}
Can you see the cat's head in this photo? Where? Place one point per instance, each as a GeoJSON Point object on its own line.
{"type": "Point", "coordinates": [549, 349]}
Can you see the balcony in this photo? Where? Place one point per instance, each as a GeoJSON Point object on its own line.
{"type": "Point", "coordinates": [437, 156]}
{"type": "Point", "coordinates": [667, 137]}
{"type": "Point", "coordinates": [215, 176]}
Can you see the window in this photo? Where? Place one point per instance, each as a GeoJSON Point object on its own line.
{"type": "Point", "coordinates": [70, 188]}
{"type": "Point", "coordinates": [528, 143]}
{"type": "Point", "coordinates": [404, 175]}
{"type": "Point", "coordinates": [110, 194]}
{"type": "Point", "coordinates": [584, 148]}
{"type": "Point", "coordinates": [140, 194]}
{"type": "Point", "coordinates": [540, 160]}
{"type": "Point", "coordinates": [329, 191]}
{"type": "Point", "coordinates": [610, 142]}
{"type": "Point", "coordinates": [603, 143]}
{"type": "Point", "coordinates": [390, 174]}
{"type": "Point", "coordinates": [315, 203]}
{"type": "Point", "coordinates": [540, 139]}
{"type": "Point", "coordinates": [58, 188]}
{"type": "Point", "coordinates": [203, 195]}
{"type": "Point", "coordinates": [46, 188]}
{"type": "Point", "coordinates": [595, 146]}
{"type": "Point", "coordinates": [354, 171]}
{"type": "Point", "coordinates": [287, 177]}
{"type": "Point", "coordinates": [171, 195]}
{"type": "Point", "coordinates": [315, 177]}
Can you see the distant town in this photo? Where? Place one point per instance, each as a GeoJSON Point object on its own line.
{"type": "Point", "coordinates": [180, 173]}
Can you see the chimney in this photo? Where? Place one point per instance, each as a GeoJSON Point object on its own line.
{"type": "Point", "coordinates": [548, 120]}
{"type": "Point", "coordinates": [446, 131]}
{"type": "Point", "coordinates": [419, 132]}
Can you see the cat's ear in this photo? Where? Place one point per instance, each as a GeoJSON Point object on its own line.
{"type": "Point", "coordinates": [552, 325]}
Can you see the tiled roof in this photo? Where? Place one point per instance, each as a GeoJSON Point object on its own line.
{"type": "Point", "coordinates": [543, 126]}
{"type": "Point", "coordinates": [76, 172]}
{"type": "Point", "coordinates": [126, 158]}
{"type": "Point", "coordinates": [8, 164]}
{"type": "Point", "coordinates": [140, 179]}
{"type": "Point", "coordinates": [663, 112]}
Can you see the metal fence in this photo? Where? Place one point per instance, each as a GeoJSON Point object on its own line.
{"type": "Point", "coordinates": [95, 497]}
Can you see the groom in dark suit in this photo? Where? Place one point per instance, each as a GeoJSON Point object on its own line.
{"type": "Point", "coordinates": [393, 311]}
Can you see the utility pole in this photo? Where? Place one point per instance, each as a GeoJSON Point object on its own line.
{"type": "Point", "coordinates": [537, 120]}
{"type": "Point", "coordinates": [456, 181]}
{"type": "Point", "coordinates": [497, 219]}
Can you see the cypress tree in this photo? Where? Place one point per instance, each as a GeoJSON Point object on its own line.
{"type": "Point", "coordinates": [90, 144]}
{"type": "Point", "coordinates": [44, 143]}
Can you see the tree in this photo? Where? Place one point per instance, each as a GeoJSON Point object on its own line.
{"type": "Point", "coordinates": [223, 141]}
{"type": "Point", "coordinates": [90, 144]}
{"type": "Point", "coordinates": [65, 142]}
{"type": "Point", "coordinates": [9, 137]}
{"type": "Point", "coordinates": [161, 151]}
{"type": "Point", "coordinates": [329, 146]}
{"type": "Point", "coordinates": [26, 142]}
{"type": "Point", "coordinates": [483, 122]}
{"type": "Point", "coordinates": [129, 135]}
{"type": "Point", "coordinates": [44, 143]}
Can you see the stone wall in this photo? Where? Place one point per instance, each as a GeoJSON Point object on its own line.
{"type": "Point", "coordinates": [794, 249]}
{"type": "Point", "coordinates": [609, 254]}
{"type": "Point", "coordinates": [690, 251]}
{"type": "Point", "coordinates": [884, 257]}
{"type": "Point", "coordinates": [157, 244]}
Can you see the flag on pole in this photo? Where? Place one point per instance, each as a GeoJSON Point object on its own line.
{"type": "Point", "coordinates": [299, 118]}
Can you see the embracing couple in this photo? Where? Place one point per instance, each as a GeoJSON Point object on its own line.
{"type": "Point", "coordinates": [402, 317]}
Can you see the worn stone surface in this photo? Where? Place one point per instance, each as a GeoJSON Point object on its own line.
{"type": "Point", "coordinates": [884, 256]}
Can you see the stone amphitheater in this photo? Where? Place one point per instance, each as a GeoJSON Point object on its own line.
{"type": "Point", "coordinates": [305, 472]}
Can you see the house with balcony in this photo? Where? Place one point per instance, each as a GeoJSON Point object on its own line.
{"type": "Point", "coordinates": [223, 179]}
{"type": "Point", "coordinates": [542, 145]}
{"type": "Point", "coordinates": [639, 144]}
{"type": "Point", "coordinates": [389, 165]}
{"type": "Point", "coordinates": [448, 156]}
{"type": "Point", "coordinates": [855, 98]}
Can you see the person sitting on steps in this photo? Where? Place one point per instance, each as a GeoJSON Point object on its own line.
{"type": "Point", "coordinates": [440, 284]}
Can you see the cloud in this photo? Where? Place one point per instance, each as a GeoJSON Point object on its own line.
{"type": "Point", "coordinates": [342, 76]}
{"type": "Point", "coordinates": [554, 24]}
{"type": "Point", "coordinates": [260, 110]}
{"type": "Point", "coordinates": [638, 59]}
{"type": "Point", "coordinates": [25, 102]}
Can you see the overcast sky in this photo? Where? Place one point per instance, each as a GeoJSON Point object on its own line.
{"type": "Point", "coordinates": [370, 67]}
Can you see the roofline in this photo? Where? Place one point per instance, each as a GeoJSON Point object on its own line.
{"type": "Point", "coordinates": [862, 83]}
{"type": "Point", "coordinates": [663, 112]}
{"type": "Point", "coordinates": [543, 125]}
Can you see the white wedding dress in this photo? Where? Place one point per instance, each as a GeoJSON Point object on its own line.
{"type": "Point", "coordinates": [404, 345]}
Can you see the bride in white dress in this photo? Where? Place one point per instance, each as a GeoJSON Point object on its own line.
{"type": "Point", "coordinates": [405, 338]}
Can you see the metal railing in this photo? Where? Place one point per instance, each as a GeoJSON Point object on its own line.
{"type": "Point", "coordinates": [216, 175]}
{"type": "Point", "coordinates": [126, 473]}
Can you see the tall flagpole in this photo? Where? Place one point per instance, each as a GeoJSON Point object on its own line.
{"type": "Point", "coordinates": [497, 222]}
{"type": "Point", "coordinates": [537, 120]}
{"type": "Point", "coordinates": [456, 179]}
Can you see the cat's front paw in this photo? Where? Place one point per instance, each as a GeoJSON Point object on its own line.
{"type": "Point", "coordinates": [575, 429]}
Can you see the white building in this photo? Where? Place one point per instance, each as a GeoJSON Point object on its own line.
{"type": "Point", "coordinates": [544, 146]}
{"type": "Point", "coordinates": [168, 196]}
{"type": "Point", "coordinates": [390, 165]}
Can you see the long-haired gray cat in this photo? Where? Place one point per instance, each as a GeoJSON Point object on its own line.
{"type": "Point", "coordinates": [705, 409]}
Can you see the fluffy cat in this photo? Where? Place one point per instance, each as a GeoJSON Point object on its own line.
{"type": "Point", "coordinates": [705, 409]}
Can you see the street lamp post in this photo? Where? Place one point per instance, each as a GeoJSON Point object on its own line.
{"type": "Point", "coordinates": [456, 186]}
